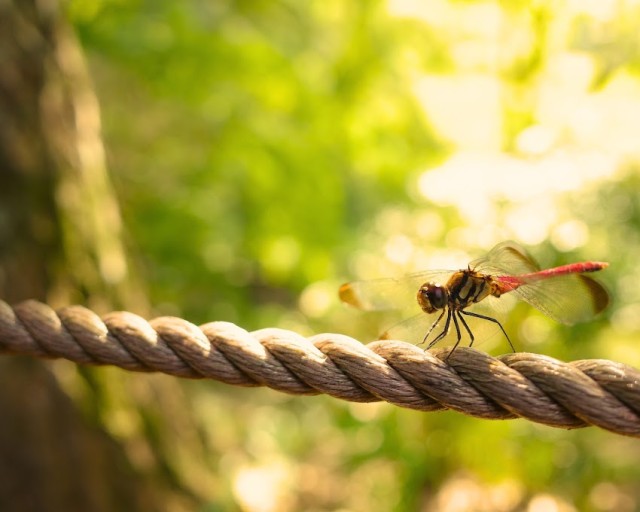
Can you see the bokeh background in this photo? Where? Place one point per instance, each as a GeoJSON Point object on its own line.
{"type": "Point", "coordinates": [260, 153]}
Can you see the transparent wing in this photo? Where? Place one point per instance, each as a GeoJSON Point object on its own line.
{"type": "Point", "coordinates": [568, 299]}
{"type": "Point", "coordinates": [506, 258]}
{"type": "Point", "coordinates": [411, 330]}
{"type": "Point", "coordinates": [390, 293]}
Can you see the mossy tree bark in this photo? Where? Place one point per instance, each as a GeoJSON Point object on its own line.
{"type": "Point", "coordinates": [60, 241]}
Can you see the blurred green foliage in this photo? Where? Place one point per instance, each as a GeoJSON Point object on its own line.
{"type": "Point", "coordinates": [260, 147]}
{"type": "Point", "coordinates": [263, 151]}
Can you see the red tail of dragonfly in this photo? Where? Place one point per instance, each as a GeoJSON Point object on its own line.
{"type": "Point", "coordinates": [563, 293]}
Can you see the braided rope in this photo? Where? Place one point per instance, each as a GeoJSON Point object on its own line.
{"type": "Point", "coordinates": [536, 387]}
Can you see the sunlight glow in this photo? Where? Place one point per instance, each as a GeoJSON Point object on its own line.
{"type": "Point", "coordinates": [317, 298]}
{"type": "Point", "coordinates": [536, 140]}
{"type": "Point", "coordinates": [476, 184]}
{"type": "Point", "coordinates": [399, 249]}
{"type": "Point", "coordinates": [416, 9]}
{"type": "Point", "coordinates": [531, 221]}
{"type": "Point", "coordinates": [570, 235]}
{"type": "Point", "coordinates": [548, 503]}
{"type": "Point", "coordinates": [464, 108]}
{"type": "Point", "coordinates": [603, 121]}
{"type": "Point", "coordinates": [602, 10]}
{"type": "Point", "coordinates": [463, 493]}
{"type": "Point", "coordinates": [535, 329]}
{"type": "Point", "coordinates": [429, 225]}
{"type": "Point", "coordinates": [261, 488]}
{"type": "Point", "coordinates": [479, 21]}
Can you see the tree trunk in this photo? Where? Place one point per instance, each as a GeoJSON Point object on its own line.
{"type": "Point", "coordinates": [60, 241]}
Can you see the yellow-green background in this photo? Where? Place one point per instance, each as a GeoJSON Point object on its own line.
{"type": "Point", "coordinates": [263, 152]}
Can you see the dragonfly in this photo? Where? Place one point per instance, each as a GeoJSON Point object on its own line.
{"type": "Point", "coordinates": [460, 297]}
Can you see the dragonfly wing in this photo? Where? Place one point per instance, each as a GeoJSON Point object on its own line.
{"type": "Point", "coordinates": [411, 330]}
{"type": "Point", "coordinates": [506, 258]}
{"type": "Point", "coordinates": [567, 299]}
{"type": "Point", "coordinates": [389, 293]}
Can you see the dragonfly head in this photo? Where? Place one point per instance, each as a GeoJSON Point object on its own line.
{"type": "Point", "coordinates": [432, 297]}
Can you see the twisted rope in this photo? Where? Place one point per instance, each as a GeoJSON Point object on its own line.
{"type": "Point", "coordinates": [536, 387]}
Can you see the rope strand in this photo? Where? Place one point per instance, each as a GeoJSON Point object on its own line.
{"type": "Point", "coordinates": [532, 386]}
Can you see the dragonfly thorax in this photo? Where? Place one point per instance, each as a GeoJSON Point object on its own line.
{"type": "Point", "coordinates": [464, 288]}
{"type": "Point", "coordinates": [432, 297]}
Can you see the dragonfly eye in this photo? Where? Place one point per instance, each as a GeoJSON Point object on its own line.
{"type": "Point", "coordinates": [432, 297]}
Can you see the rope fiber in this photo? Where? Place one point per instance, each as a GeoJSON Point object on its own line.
{"type": "Point", "coordinates": [532, 386]}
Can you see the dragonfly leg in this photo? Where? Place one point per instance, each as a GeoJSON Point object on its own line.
{"type": "Point", "coordinates": [491, 320]}
{"type": "Point", "coordinates": [464, 322]}
{"type": "Point", "coordinates": [457, 325]}
{"type": "Point", "coordinates": [444, 332]}
{"type": "Point", "coordinates": [433, 325]}
{"type": "Point", "coordinates": [458, 334]}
